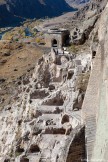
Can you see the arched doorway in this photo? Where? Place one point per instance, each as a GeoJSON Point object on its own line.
{"type": "Point", "coordinates": [93, 54]}
{"type": "Point", "coordinates": [54, 43]}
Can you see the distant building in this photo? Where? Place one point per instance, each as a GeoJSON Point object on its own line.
{"type": "Point", "coordinates": [57, 37]}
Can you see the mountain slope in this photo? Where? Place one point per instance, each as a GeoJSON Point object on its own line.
{"type": "Point", "coordinates": [94, 7]}
{"type": "Point", "coordinates": [77, 2]}
{"type": "Point", "coordinates": [12, 11]}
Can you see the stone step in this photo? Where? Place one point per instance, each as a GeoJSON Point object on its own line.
{"type": "Point", "coordinates": [43, 159]}
{"type": "Point", "coordinates": [54, 117]}
{"type": "Point", "coordinates": [50, 109]}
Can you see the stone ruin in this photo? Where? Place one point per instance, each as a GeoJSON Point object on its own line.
{"type": "Point", "coordinates": [43, 123]}
{"type": "Point", "coordinates": [57, 37]}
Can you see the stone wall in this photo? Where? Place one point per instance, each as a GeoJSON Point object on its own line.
{"type": "Point", "coordinates": [62, 39]}
{"type": "Point", "coordinates": [50, 37]}
{"type": "Point", "coordinates": [91, 105]}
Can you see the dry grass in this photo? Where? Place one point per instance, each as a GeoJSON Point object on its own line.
{"type": "Point", "coordinates": [21, 61]}
{"type": "Point", "coordinates": [77, 49]}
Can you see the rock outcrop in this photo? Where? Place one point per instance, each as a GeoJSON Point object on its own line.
{"type": "Point", "coordinates": [80, 35]}
{"type": "Point", "coordinates": [88, 15]}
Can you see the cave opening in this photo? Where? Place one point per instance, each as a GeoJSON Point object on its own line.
{"type": "Point", "coordinates": [34, 148]}
{"type": "Point", "coordinates": [93, 54]}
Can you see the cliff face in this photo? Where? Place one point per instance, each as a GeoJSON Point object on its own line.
{"type": "Point", "coordinates": [12, 11]}
{"type": "Point", "coordinates": [95, 112]}
{"type": "Point", "coordinates": [94, 7]}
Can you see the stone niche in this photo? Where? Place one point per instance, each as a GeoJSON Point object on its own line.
{"type": "Point", "coordinates": [57, 37]}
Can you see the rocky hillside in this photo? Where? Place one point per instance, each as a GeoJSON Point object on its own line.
{"type": "Point", "coordinates": [12, 11]}
{"type": "Point", "coordinates": [77, 2]}
{"type": "Point", "coordinates": [94, 7]}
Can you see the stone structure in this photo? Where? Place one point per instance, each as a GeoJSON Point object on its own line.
{"type": "Point", "coordinates": [90, 107]}
{"type": "Point", "coordinates": [57, 37]}
{"type": "Point", "coordinates": [44, 123]}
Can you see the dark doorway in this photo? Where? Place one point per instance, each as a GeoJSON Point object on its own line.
{"type": "Point", "coordinates": [54, 43]}
{"type": "Point", "coordinates": [66, 40]}
{"type": "Point", "coordinates": [93, 54]}
{"type": "Point", "coordinates": [70, 74]}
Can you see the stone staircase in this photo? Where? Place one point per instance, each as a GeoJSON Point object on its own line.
{"type": "Point", "coordinates": [90, 135]}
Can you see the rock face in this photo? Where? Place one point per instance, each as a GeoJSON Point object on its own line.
{"type": "Point", "coordinates": [90, 9]}
{"type": "Point", "coordinates": [80, 35]}
{"type": "Point", "coordinates": [89, 14]}
{"type": "Point", "coordinates": [12, 11]}
{"type": "Point", "coordinates": [41, 124]}
{"type": "Point", "coordinates": [96, 117]}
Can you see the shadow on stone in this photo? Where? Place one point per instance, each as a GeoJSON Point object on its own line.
{"type": "Point", "coordinates": [77, 151]}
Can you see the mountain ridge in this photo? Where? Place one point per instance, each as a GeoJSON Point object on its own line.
{"type": "Point", "coordinates": [13, 11]}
